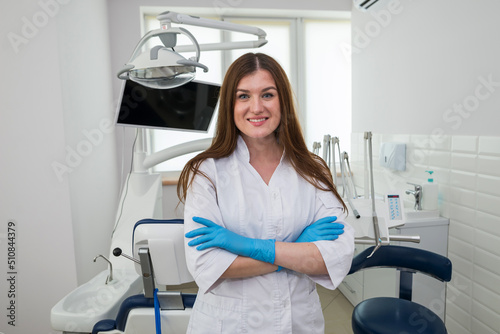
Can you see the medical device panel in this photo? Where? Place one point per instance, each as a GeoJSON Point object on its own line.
{"type": "Point", "coordinates": [395, 209]}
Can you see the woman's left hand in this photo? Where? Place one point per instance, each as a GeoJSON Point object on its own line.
{"type": "Point", "coordinates": [322, 229]}
{"type": "Point", "coordinates": [213, 235]}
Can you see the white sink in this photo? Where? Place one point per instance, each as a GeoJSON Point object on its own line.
{"type": "Point", "coordinates": [94, 301]}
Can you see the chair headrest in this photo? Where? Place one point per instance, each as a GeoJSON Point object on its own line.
{"type": "Point", "coordinates": [409, 258]}
{"type": "Point", "coordinates": [165, 240]}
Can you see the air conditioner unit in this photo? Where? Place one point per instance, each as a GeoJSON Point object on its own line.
{"type": "Point", "coordinates": [369, 4]}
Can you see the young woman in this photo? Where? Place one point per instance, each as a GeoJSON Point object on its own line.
{"type": "Point", "coordinates": [262, 215]}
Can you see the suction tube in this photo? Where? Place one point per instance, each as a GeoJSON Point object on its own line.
{"type": "Point", "coordinates": [346, 186]}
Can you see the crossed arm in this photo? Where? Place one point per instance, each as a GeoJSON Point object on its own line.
{"type": "Point", "coordinates": [258, 257]}
{"type": "Point", "coordinates": [301, 257]}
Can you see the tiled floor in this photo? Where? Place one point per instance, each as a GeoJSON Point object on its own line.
{"type": "Point", "coordinates": [336, 308]}
{"type": "Point", "coordinates": [337, 311]}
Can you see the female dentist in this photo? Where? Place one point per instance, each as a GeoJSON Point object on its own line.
{"type": "Point", "coordinates": [263, 219]}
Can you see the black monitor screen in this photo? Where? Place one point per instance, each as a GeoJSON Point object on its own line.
{"type": "Point", "coordinates": [187, 107]}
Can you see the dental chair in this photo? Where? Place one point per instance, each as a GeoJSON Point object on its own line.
{"type": "Point", "coordinates": [383, 315]}
{"type": "Point", "coordinates": [158, 250]}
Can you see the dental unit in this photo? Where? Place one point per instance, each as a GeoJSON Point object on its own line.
{"type": "Point", "coordinates": [145, 254]}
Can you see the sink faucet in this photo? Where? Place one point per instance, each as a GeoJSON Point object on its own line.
{"type": "Point", "coordinates": [417, 192]}
{"type": "Point", "coordinates": [110, 276]}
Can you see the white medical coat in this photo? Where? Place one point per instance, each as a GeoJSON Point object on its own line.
{"type": "Point", "coordinates": [278, 302]}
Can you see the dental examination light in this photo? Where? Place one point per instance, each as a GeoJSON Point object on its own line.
{"type": "Point", "coordinates": [163, 67]}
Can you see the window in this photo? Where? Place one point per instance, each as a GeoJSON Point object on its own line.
{"type": "Point", "coordinates": [328, 82]}
{"type": "Point", "coordinates": [278, 35]}
{"type": "Point", "coordinates": [310, 51]}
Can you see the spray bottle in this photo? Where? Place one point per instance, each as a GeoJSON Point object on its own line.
{"type": "Point", "coordinates": [430, 193]}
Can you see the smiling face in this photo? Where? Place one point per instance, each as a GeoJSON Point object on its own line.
{"type": "Point", "coordinates": [257, 111]}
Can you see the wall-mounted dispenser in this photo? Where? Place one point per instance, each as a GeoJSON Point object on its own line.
{"type": "Point", "coordinates": [393, 156]}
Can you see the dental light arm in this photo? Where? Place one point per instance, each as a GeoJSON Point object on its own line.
{"type": "Point", "coordinates": [163, 67]}
{"type": "Point", "coordinates": [172, 17]}
{"type": "Point", "coordinates": [176, 151]}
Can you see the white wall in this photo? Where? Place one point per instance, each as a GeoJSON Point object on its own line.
{"type": "Point", "coordinates": [55, 85]}
{"type": "Point", "coordinates": [426, 73]}
{"type": "Point", "coordinates": [83, 47]}
{"type": "Point", "coordinates": [417, 67]}
{"type": "Point", "coordinates": [32, 137]}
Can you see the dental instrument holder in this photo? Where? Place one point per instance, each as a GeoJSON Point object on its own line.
{"type": "Point", "coordinates": [335, 141]}
{"type": "Point", "coordinates": [349, 171]}
{"type": "Point", "coordinates": [316, 147]}
{"type": "Point", "coordinates": [417, 193]}
{"type": "Point", "coordinates": [327, 156]}
{"type": "Point", "coordinates": [329, 144]}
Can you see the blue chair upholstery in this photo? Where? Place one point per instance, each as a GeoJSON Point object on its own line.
{"type": "Point", "coordinates": [133, 302]}
{"type": "Point", "coordinates": [384, 315]}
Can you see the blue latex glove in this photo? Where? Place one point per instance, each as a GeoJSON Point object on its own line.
{"type": "Point", "coordinates": [214, 235]}
{"type": "Point", "coordinates": [322, 229]}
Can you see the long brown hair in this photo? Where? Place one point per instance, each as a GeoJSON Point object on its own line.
{"type": "Point", "coordinates": [308, 165]}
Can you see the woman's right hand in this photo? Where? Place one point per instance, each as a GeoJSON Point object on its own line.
{"type": "Point", "coordinates": [213, 235]}
{"type": "Point", "coordinates": [322, 229]}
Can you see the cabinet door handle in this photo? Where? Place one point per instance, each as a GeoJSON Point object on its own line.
{"type": "Point", "coordinates": [351, 290]}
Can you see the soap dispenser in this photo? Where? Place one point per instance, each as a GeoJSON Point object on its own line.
{"type": "Point", "coordinates": [430, 193]}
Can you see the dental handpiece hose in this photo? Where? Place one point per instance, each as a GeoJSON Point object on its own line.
{"type": "Point", "coordinates": [346, 187]}
{"type": "Point", "coordinates": [378, 241]}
